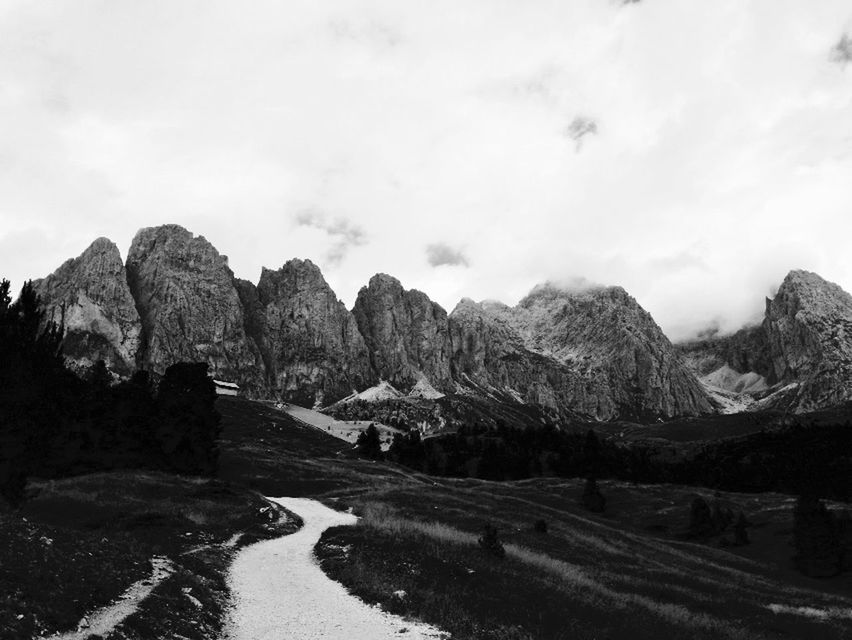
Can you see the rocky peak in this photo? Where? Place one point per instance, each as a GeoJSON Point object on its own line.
{"type": "Point", "coordinates": [88, 296]}
{"type": "Point", "coordinates": [591, 322]}
{"type": "Point", "coordinates": [189, 306]}
{"type": "Point", "coordinates": [313, 349]}
{"type": "Point", "coordinates": [808, 325]}
{"type": "Point", "coordinates": [489, 357]}
{"type": "Point", "coordinates": [406, 333]}
{"type": "Point", "coordinates": [605, 356]}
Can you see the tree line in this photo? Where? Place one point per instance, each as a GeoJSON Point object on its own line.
{"type": "Point", "coordinates": [793, 459]}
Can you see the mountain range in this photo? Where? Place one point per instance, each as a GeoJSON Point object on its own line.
{"type": "Point", "coordinates": [584, 351]}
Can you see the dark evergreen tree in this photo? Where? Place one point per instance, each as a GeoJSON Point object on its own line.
{"type": "Point", "coordinates": [188, 423]}
{"type": "Point", "coordinates": [816, 538]}
{"type": "Point", "coordinates": [592, 455]}
{"type": "Point", "coordinates": [369, 443]}
{"type": "Point", "coordinates": [408, 449]}
{"type": "Point", "coordinates": [134, 411]}
{"type": "Point", "coordinates": [31, 388]}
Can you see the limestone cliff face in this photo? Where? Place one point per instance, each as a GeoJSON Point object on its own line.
{"type": "Point", "coordinates": [808, 325]}
{"type": "Point", "coordinates": [189, 306]}
{"type": "Point", "coordinates": [311, 343]}
{"type": "Point", "coordinates": [744, 351]}
{"type": "Point", "coordinates": [406, 334]}
{"type": "Point", "coordinates": [88, 296]}
{"type": "Point", "coordinates": [594, 351]}
{"type": "Point", "coordinates": [491, 358]}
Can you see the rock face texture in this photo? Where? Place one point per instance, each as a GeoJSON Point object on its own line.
{"type": "Point", "coordinates": [745, 350]}
{"type": "Point", "coordinates": [590, 351]}
{"type": "Point", "coordinates": [313, 350]}
{"type": "Point", "coordinates": [88, 296]}
{"type": "Point", "coordinates": [802, 350]}
{"type": "Point", "coordinates": [808, 329]}
{"type": "Point", "coordinates": [490, 357]}
{"type": "Point", "coordinates": [594, 351]}
{"type": "Point", "coordinates": [189, 306]}
{"type": "Point", "coordinates": [406, 333]}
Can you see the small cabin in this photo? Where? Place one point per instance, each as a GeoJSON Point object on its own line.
{"type": "Point", "coordinates": [226, 388]}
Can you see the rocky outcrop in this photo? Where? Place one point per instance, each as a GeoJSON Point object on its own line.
{"type": "Point", "coordinates": [88, 296]}
{"type": "Point", "coordinates": [490, 358]}
{"type": "Point", "coordinates": [313, 350]}
{"type": "Point", "coordinates": [808, 326]}
{"type": "Point", "coordinates": [799, 359]}
{"type": "Point", "coordinates": [594, 351]}
{"type": "Point", "coordinates": [189, 306]}
{"type": "Point", "coordinates": [747, 350]}
{"type": "Point", "coordinates": [406, 333]}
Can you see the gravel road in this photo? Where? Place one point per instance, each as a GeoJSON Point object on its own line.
{"type": "Point", "coordinates": [279, 590]}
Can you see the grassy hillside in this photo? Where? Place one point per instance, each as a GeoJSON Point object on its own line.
{"type": "Point", "coordinates": [626, 574]}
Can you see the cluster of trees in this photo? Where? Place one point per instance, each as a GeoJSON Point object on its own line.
{"type": "Point", "coordinates": [506, 453]}
{"type": "Point", "coordinates": [394, 413]}
{"type": "Point", "coordinates": [54, 423]}
{"type": "Point", "coordinates": [790, 460]}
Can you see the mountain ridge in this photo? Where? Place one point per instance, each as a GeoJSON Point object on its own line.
{"type": "Point", "coordinates": [585, 349]}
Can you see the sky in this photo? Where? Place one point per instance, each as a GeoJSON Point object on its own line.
{"type": "Point", "coordinates": [691, 152]}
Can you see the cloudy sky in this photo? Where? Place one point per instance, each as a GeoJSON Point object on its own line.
{"type": "Point", "coordinates": [692, 152]}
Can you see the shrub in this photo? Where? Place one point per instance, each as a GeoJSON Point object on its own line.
{"type": "Point", "coordinates": [592, 498]}
{"type": "Point", "coordinates": [740, 533]}
{"type": "Point", "coordinates": [490, 542]}
{"type": "Point", "coordinates": [700, 518]}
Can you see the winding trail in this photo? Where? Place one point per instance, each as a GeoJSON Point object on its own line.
{"type": "Point", "coordinates": [105, 620]}
{"type": "Point", "coordinates": [280, 591]}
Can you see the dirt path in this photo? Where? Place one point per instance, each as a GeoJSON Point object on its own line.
{"type": "Point", "coordinates": [280, 592]}
{"type": "Point", "coordinates": [103, 621]}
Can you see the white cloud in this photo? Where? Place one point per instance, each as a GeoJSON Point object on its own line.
{"type": "Point", "coordinates": [721, 158]}
{"type": "Point", "coordinates": [441, 254]}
